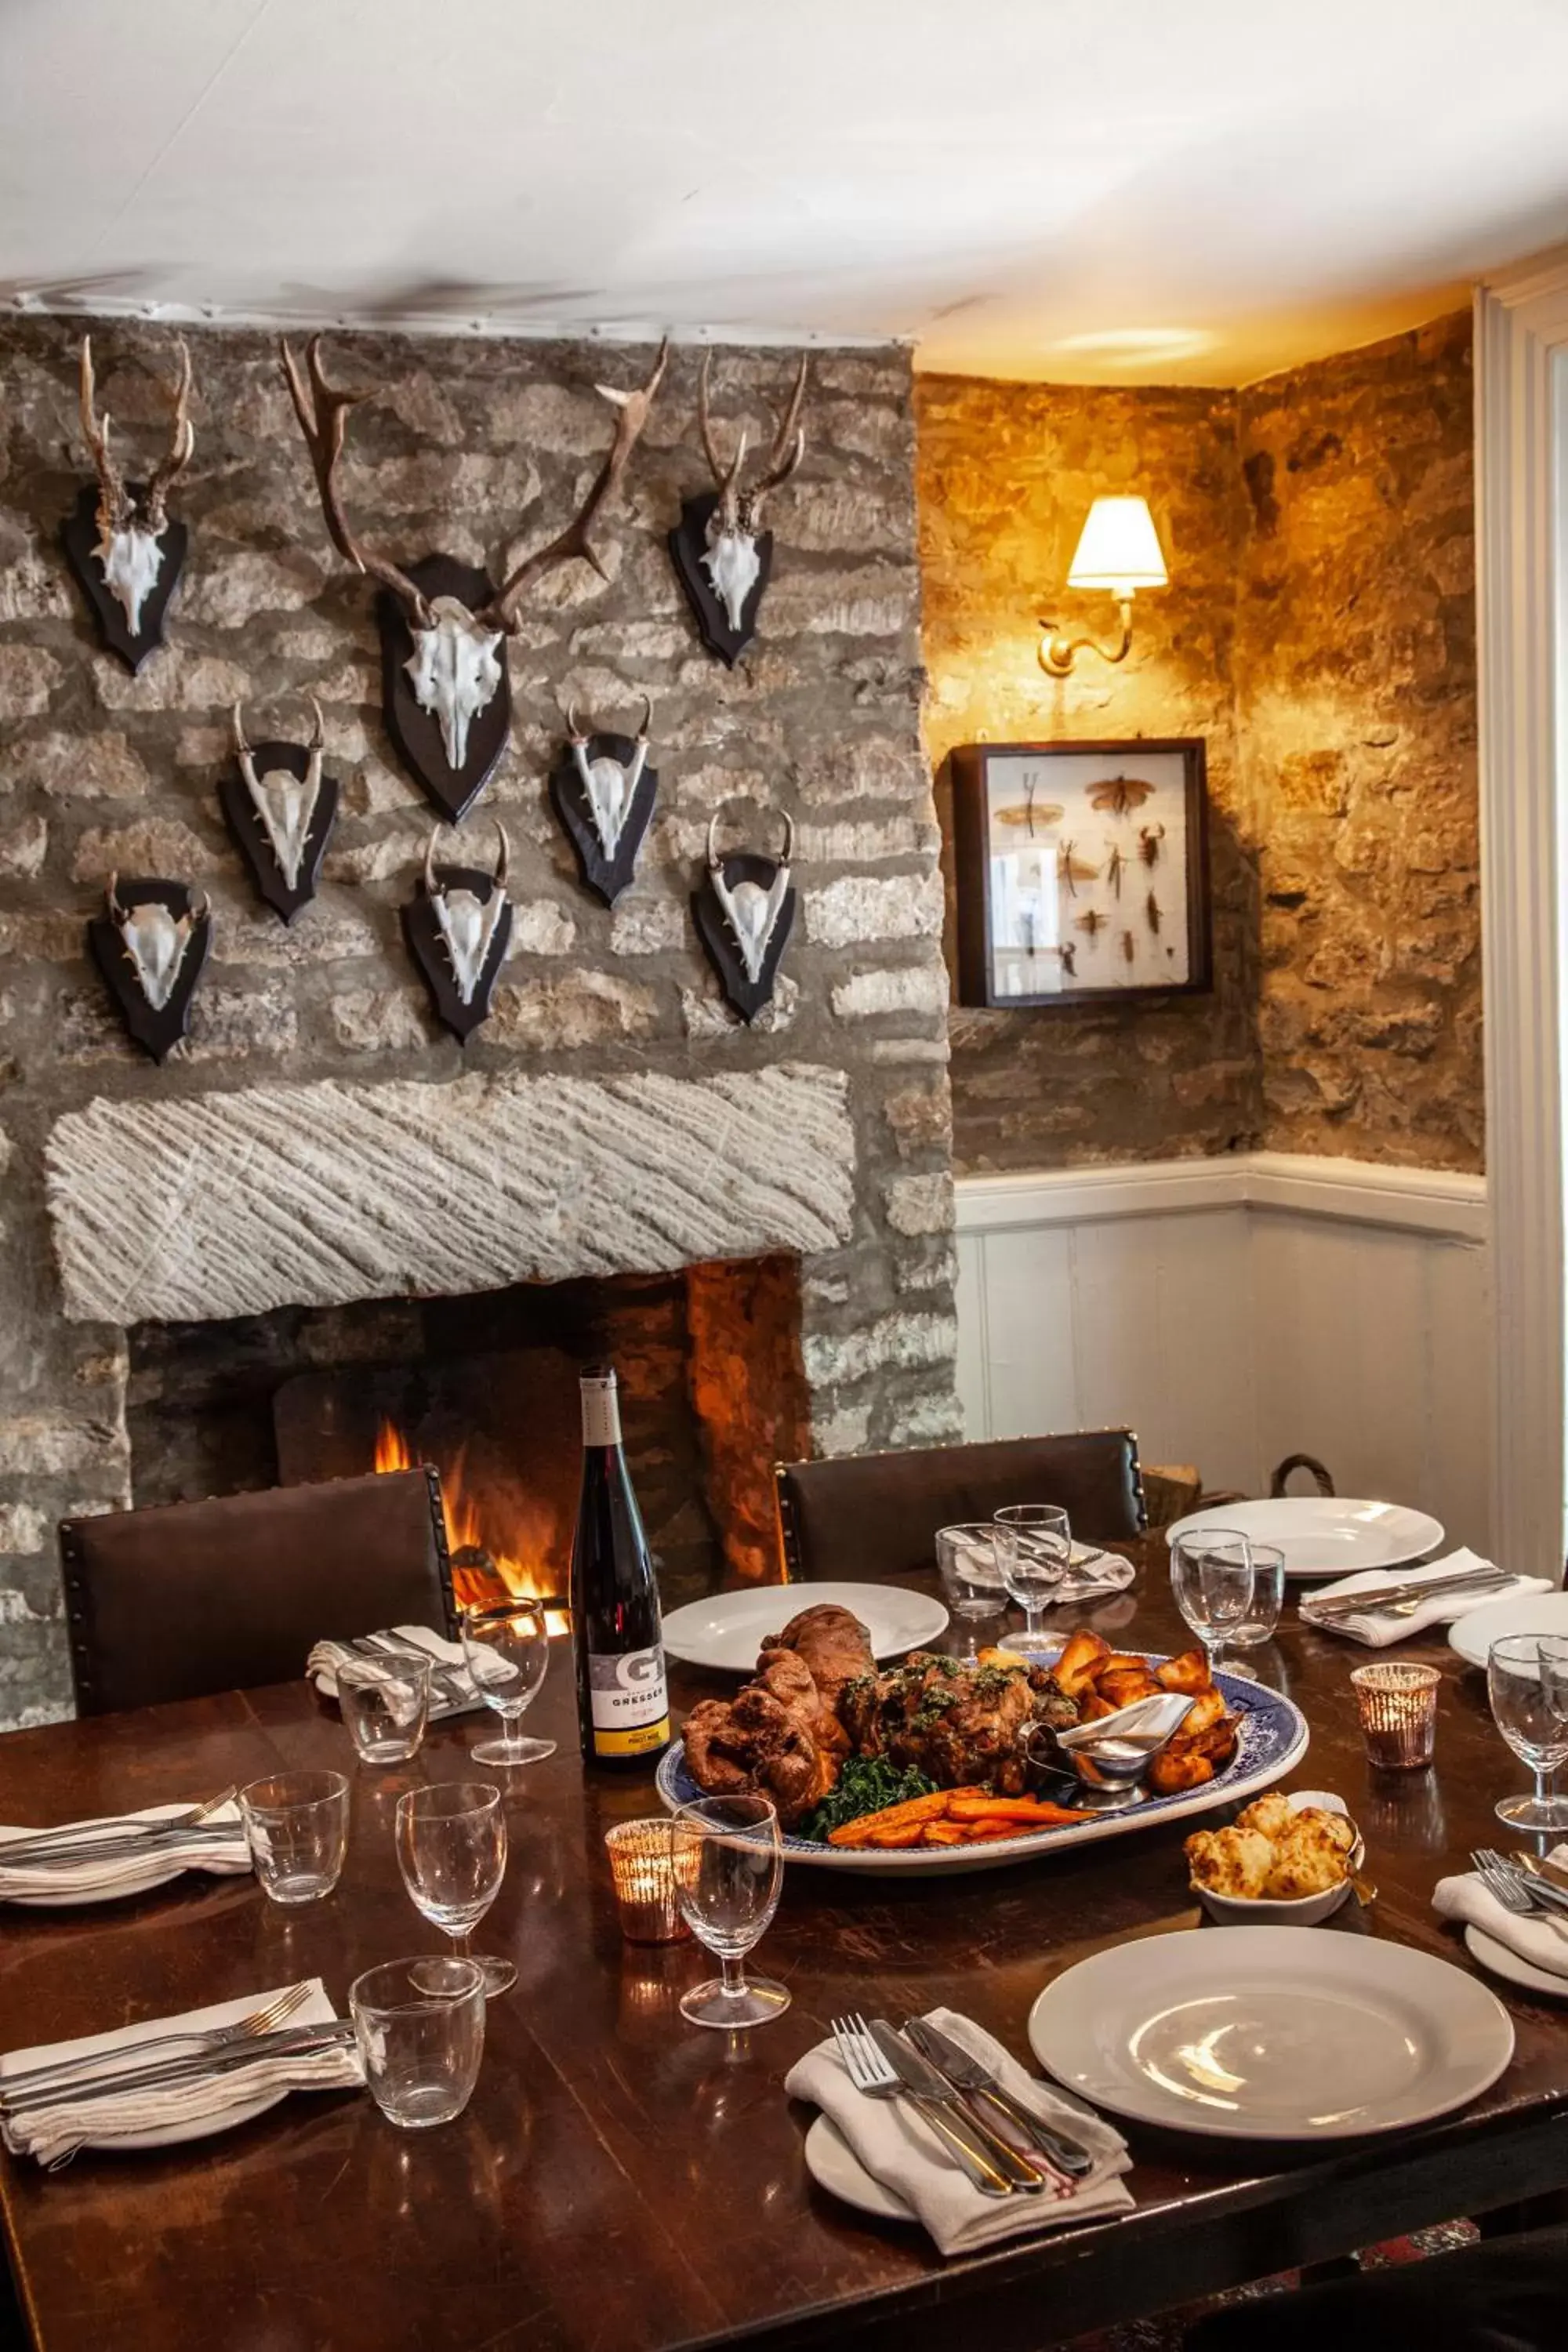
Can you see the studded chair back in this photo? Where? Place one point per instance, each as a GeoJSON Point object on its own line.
{"type": "Point", "coordinates": [866, 1516]}
{"type": "Point", "coordinates": [189, 1598]}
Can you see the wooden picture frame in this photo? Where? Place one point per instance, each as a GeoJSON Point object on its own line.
{"type": "Point", "coordinates": [1082, 871]}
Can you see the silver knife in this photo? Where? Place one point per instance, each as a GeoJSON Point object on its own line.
{"type": "Point", "coordinates": [83, 1840]}
{"type": "Point", "coordinates": [171, 2073]}
{"type": "Point", "coordinates": [921, 2080]}
{"type": "Point", "coordinates": [1545, 1890]}
{"type": "Point", "coordinates": [971, 2075]}
{"type": "Point", "coordinates": [1383, 1596]}
{"type": "Point", "coordinates": [148, 1849]}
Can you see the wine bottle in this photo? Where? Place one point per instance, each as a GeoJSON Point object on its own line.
{"type": "Point", "coordinates": [623, 1709]}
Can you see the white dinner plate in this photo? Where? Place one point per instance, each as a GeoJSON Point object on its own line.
{"type": "Point", "coordinates": [833, 2166]}
{"type": "Point", "coordinates": [1505, 1962]}
{"type": "Point", "coordinates": [1324, 1535]}
{"type": "Point", "coordinates": [1276, 2033]}
{"type": "Point", "coordinates": [725, 1631]}
{"type": "Point", "coordinates": [1472, 1634]}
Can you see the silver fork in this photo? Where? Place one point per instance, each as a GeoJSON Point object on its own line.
{"type": "Point", "coordinates": [875, 2079]}
{"type": "Point", "coordinates": [87, 1840]}
{"type": "Point", "coordinates": [443, 1679]}
{"type": "Point", "coordinates": [200, 2038]}
{"type": "Point", "coordinates": [1517, 1892]}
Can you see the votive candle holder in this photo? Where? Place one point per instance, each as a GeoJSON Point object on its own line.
{"type": "Point", "coordinates": [644, 1868]}
{"type": "Point", "coordinates": [1398, 1704]}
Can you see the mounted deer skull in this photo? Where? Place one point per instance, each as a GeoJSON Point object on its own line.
{"type": "Point", "coordinates": [744, 913]}
{"type": "Point", "coordinates": [721, 554]}
{"type": "Point", "coordinates": [150, 944]}
{"type": "Point", "coordinates": [120, 543]}
{"type": "Point", "coordinates": [458, 929]}
{"type": "Point", "coordinates": [444, 624]}
{"type": "Point", "coordinates": [603, 794]}
{"type": "Point", "coordinates": [281, 810]}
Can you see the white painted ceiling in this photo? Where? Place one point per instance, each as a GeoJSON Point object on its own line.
{"type": "Point", "coordinates": [1154, 189]}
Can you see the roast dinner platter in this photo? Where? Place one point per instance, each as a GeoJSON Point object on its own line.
{"type": "Point", "coordinates": [942, 1764]}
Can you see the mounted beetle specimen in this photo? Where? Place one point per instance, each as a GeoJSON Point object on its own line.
{"type": "Point", "coordinates": [444, 625]}
{"type": "Point", "coordinates": [151, 943]}
{"type": "Point", "coordinates": [458, 929]}
{"type": "Point", "coordinates": [119, 542]}
{"type": "Point", "coordinates": [604, 789]}
{"type": "Point", "coordinates": [743, 913]}
{"type": "Point", "coordinates": [281, 810]}
{"type": "Point", "coordinates": [722, 554]}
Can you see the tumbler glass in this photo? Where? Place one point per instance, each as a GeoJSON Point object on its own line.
{"type": "Point", "coordinates": [420, 2025]}
{"type": "Point", "coordinates": [297, 1826]}
{"type": "Point", "coordinates": [970, 1579]}
{"type": "Point", "coordinates": [385, 1704]}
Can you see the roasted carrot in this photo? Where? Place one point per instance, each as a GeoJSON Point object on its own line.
{"type": "Point", "coordinates": [900, 1833]}
{"type": "Point", "coordinates": [913, 1809]}
{"type": "Point", "coordinates": [1024, 1810]}
{"type": "Point", "coordinates": [944, 1833]}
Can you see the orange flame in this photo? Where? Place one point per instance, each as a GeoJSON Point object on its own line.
{"type": "Point", "coordinates": [523, 1560]}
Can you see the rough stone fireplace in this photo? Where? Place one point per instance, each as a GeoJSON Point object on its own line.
{"type": "Point", "coordinates": [322, 1187]}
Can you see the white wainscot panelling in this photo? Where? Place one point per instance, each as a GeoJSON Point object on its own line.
{"type": "Point", "coordinates": [1236, 1311]}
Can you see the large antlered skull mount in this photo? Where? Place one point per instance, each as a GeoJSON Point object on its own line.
{"type": "Point", "coordinates": [459, 928]}
{"type": "Point", "coordinates": [151, 943]}
{"type": "Point", "coordinates": [603, 791]}
{"type": "Point", "coordinates": [444, 624]}
{"type": "Point", "coordinates": [120, 541]}
{"type": "Point", "coordinates": [280, 809]}
{"type": "Point", "coordinates": [722, 555]}
{"type": "Point", "coordinates": [744, 912]}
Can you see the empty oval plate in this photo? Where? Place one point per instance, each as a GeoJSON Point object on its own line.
{"type": "Point", "coordinates": [1323, 1534]}
{"type": "Point", "coordinates": [726, 1631]}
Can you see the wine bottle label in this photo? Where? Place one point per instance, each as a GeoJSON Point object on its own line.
{"type": "Point", "coordinates": [601, 1413]}
{"type": "Point", "coordinates": [630, 1704]}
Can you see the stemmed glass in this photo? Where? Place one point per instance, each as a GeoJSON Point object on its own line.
{"type": "Point", "coordinates": [1212, 1578]}
{"type": "Point", "coordinates": [506, 1648]}
{"type": "Point", "coordinates": [1529, 1693]}
{"type": "Point", "coordinates": [451, 1850]}
{"type": "Point", "coordinates": [729, 1869]}
{"type": "Point", "coordinates": [1034, 1551]}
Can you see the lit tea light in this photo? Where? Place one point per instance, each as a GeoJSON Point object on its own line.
{"type": "Point", "coordinates": [1398, 1706]}
{"type": "Point", "coordinates": [644, 1869]}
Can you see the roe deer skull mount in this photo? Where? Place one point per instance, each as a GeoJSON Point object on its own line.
{"type": "Point", "coordinates": [444, 625]}
{"type": "Point", "coordinates": [721, 554]}
{"type": "Point", "coordinates": [743, 913]}
{"type": "Point", "coordinates": [459, 928]}
{"type": "Point", "coordinates": [150, 944]}
{"type": "Point", "coordinates": [604, 790]}
{"type": "Point", "coordinates": [281, 810]}
{"type": "Point", "coordinates": [120, 541]}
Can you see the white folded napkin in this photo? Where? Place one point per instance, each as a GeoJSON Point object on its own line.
{"type": "Point", "coordinates": [1539, 1936]}
{"type": "Point", "coordinates": [322, 1666]}
{"type": "Point", "coordinates": [1375, 1630]}
{"type": "Point", "coordinates": [897, 2149]}
{"type": "Point", "coordinates": [1090, 1571]}
{"type": "Point", "coordinates": [222, 1849]}
{"type": "Point", "coordinates": [179, 2111]}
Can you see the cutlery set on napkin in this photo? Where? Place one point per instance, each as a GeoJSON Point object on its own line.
{"type": "Point", "coordinates": [175, 2078]}
{"type": "Point", "coordinates": [124, 1853]}
{"type": "Point", "coordinates": [1520, 1901]}
{"type": "Point", "coordinates": [957, 2132]}
{"type": "Point", "coordinates": [1379, 1605]}
{"type": "Point", "coordinates": [452, 1690]}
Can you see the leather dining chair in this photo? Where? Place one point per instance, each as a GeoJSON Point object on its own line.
{"type": "Point", "coordinates": [871, 1515]}
{"type": "Point", "coordinates": [189, 1598]}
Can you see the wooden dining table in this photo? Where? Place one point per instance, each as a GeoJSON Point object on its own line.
{"type": "Point", "coordinates": [628, 2183]}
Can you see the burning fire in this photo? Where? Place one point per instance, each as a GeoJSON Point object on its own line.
{"type": "Point", "coordinates": [520, 1566]}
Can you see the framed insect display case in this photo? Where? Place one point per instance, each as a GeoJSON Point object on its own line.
{"type": "Point", "coordinates": [1082, 871]}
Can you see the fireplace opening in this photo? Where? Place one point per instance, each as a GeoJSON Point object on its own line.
{"type": "Point", "coordinates": [485, 1387]}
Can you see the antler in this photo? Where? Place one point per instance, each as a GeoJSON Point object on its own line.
{"type": "Point", "coordinates": [789, 446]}
{"type": "Point", "coordinates": [577, 539]}
{"type": "Point", "coordinates": [115, 508]}
{"type": "Point", "coordinates": [726, 478]}
{"type": "Point", "coordinates": [182, 443]}
{"type": "Point", "coordinates": [323, 411]}
{"type": "Point", "coordinates": [740, 508]}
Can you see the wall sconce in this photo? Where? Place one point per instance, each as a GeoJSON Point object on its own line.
{"type": "Point", "coordinates": [1119, 550]}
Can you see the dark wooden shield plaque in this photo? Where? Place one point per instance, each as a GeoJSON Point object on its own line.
{"type": "Point", "coordinates": [157, 1030]}
{"type": "Point", "coordinates": [78, 537]}
{"type": "Point", "coordinates": [748, 996]}
{"type": "Point", "coordinates": [416, 734]}
{"type": "Point", "coordinates": [250, 835]}
{"type": "Point", "coordinates": [688, 546]}
{"type": "Point", "coordinates": [428, 950]}
{"type": "Point", "coordinates": [607, 876]}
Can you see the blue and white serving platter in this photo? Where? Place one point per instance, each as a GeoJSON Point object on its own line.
{"type": "Point", "coordinates": [1273, 1739]}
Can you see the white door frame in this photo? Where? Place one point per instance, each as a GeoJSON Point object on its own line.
{"type": "Point", "coordinates": [1521, 327]}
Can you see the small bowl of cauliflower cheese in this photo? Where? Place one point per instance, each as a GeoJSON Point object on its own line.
{"type": "Point", "coordinates": [1285, 1862]}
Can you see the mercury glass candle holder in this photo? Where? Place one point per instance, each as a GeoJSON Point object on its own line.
{"type": "Point", "coordinates": [644, 1865]}
{"type": "Point", "coordinates": [1399, 1704]}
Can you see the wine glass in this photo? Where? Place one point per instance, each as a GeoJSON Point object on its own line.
{"type": "Point", "coordinates": [451, 1850]}
{"type": "Point", "coordinates": [1257, 1624]}
{"type": "Point", "coordinates": [729, 1869]}
{"type": "Point", "coordinates": [1212, 1578]}
{"type": "Point", "coordinates": [1530, 1707]}
{"type": "Point", "coordinates": [1033, 1550]}
{"type": "Point", "coordinates": [506, 1648]}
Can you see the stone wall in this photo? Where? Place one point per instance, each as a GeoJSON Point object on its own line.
{"type": "Point", "coordinates": [1318, 633]}
{"type": "Point", "coordinates": [478, 448]}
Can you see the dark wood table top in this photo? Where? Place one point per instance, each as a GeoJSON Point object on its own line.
{"type": "Point", "coordinates": [624, 2180]}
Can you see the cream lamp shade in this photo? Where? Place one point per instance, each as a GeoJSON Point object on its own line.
{"type": "Point", "coordinates": [1119, 549]}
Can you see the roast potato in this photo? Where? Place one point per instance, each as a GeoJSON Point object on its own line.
{"type": "Point", "coordinates": [1190, 1672]}
{"type": "Point", "coordinates": [1080, 1663]}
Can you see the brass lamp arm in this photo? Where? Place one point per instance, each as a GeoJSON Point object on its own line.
{"type": "Point", "coordinates": [1057, 650]}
